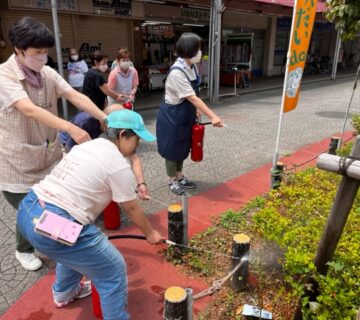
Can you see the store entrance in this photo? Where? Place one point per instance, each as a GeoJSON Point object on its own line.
{"type": "Point", "coordinates": [158, 49]}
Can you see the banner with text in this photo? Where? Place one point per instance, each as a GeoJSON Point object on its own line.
{"type": "Point", "coordinates": [301, 30]}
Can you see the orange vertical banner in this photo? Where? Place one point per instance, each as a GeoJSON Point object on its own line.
{"type": "Point", "coordinates": [302, 25]}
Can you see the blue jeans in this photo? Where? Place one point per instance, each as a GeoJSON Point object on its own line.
{"type": "Point", "coordinates": [92, 255]}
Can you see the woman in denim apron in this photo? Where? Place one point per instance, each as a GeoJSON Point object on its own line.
{"type": "Point", "coordinates": [179, 109]}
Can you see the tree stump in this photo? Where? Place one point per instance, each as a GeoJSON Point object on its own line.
{"type": "Point", "coordinates": [175, 305]}
{"type": "Point", "coordinates": [240, 249]}
{"type": "Point", "coordinates": [175, 224]}
{"type": "Point", "coordinates": [334, 141]}
{"type": "Point", "coordinates": [276, 175]}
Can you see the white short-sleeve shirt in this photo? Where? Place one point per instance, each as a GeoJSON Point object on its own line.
{"type": "Point", "coordinates": [177, 86]}
{"type": "Point", "coordinates": [87, 179]}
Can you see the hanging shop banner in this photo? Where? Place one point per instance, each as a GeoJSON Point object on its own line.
{"type": "Point", "coordinates": [302, 26]}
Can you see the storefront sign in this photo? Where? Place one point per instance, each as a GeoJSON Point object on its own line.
{"type": "Point", "coordinates": [301, 30]}
{"type": "Point", "coordinates": [119, 7]}
{"type": "Point", "coordinates": [201, 15]}
{"type": "Point", "coordinates": [285, 24]}
{"type": "Point", "coordinates": [46, 4]}
{"type": "Point", "coordinates": [86, 50]}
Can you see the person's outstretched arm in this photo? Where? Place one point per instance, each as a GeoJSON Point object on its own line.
{"type": "Point", "coordinates": [136, 214]}
{"type": "Point", "coordinates": [109, 92]}
{"type": "Point", "coordinates": [84, 103]}
{"type": "Point", "coordinates": [50, 120]}
{"type": "Point", "coordinates": [142, 189]}
{"type": "Point", "coordinates": [203, 108]}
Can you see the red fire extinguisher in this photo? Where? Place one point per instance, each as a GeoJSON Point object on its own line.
{"type": "Point", "coordinates": [129, 104]}
{"type": "Point", "coordinates": [198, 132]}
{"type": "Point", "coordinates": [96, 302]}
{"type": "Point", "coordinates": [112, 216]}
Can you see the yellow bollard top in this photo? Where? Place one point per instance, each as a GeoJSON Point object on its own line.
{"type": "Point", "coordinates": [175, 294]}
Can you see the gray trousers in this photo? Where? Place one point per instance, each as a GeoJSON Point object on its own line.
{"type": "Point", "coordinates": [173, 166]}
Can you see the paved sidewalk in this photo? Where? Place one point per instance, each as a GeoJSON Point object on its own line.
{"type": "Point", "coordinates": [259, 84]}
{"type": "Point", "coordinates": [229, 153]}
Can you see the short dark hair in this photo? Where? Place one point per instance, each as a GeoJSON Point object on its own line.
{"type": "Point", "coordinates": [80, 56]}
{"type": "Point", "coordinates": [30, 33]}
{"type": "Point", "coordinates": [188, 45]}
{"type": "Point", "coordinates": [113, 133]}
{"type": "Point", "coordinates": [97, 56]}
{"type": "Point", "coordinates": [123, 53]}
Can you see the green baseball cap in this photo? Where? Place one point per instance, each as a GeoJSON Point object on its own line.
{"type": "Point", "coordinates": [127, 119]}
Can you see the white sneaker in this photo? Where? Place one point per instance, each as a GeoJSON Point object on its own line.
{"type": "Point", "coordinates": [83, 291]}
{"type": "Point", "coordinates": [28, 260]}
{"type": "Point", "coordinates": [174, 187]}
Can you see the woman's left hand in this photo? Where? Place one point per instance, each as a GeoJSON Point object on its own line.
{"type": "Point", "coordinates": [143, 192]}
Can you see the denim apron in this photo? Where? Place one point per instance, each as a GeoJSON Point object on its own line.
{"type": "Point", "coordinates": [174, 125]}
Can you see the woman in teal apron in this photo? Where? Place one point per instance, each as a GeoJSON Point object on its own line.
{"type": "Point", "coordinates": [179, 109]}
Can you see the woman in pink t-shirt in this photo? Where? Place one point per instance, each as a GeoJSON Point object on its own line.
{"type": "Point", "coordinates": [124, 79]}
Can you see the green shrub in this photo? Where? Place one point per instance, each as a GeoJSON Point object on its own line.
{"type": "Point", "coordinates": [294, 217]}
{"type": "Point", "coordinates": [355, 121]}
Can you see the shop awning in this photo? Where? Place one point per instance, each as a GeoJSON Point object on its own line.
{"type": "Point", "coordinates": [321, 6]}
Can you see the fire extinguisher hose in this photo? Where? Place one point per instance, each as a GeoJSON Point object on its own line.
{"type": "Point", "coordinates": [138, 237]}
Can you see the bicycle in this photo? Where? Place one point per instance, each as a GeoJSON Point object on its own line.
{"type": "Point", "coordinates": [145, 84]}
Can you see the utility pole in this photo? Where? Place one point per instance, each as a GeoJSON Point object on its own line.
{"type": "Point", "coordinates": [57, 36]}
{"type": "Point", "coordinates": [216, 11]}
{"type": "Point", "coordinates": [336, 55]}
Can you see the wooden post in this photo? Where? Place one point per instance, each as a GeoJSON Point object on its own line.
{"type": "Point", "coordinates": [175, 224]}
{"type": "Point", "coordinates": [175, 305]}
{"type": "Point", "coordinates": [340, 210]}
{"type": "Point", "coordinates": [334, 141]}
{"type": "Point", "coordinates": [240, 249]}
{"type": "Point", "coordinates": [276, 175]}
{"type": "Point", "coordinates": [333, 163]}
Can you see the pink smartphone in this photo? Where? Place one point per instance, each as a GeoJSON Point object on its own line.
{"type": "Point", "coordinates": [58, 228]}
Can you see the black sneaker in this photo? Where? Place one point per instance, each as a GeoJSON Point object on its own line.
{"type": "Point", "coordinates": [175, 187]}
{"type": "Point", "coordinates": [187, 184]}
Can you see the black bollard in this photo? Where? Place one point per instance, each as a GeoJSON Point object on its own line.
{"type": "Point", "coordinates": [175, 224]}
{"type": "Point", "coordinates": [276, 175]}
{"type": "Point", "coordinates": [334, 141]}
{"type": "Point", "coordinates": [240, 249]}
{"type": "Point", "coordinates": [175, 305]}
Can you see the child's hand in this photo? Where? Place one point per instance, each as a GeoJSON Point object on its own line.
{"type": "Point", "coordinates": [143, 192]}
{"type": "Point", "coordinates": [154, 237]}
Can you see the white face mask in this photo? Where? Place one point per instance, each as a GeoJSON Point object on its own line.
{"type": "Point", "coordinates": [124, 65]}
{"type": "Point", "coordinates": [75, 57]}
{"type": "Point", "coordinates": [35, 62]}
{"type": "Point", "coordinates": [103, 67]}
{"type": "Point", "coordinates": [197, 58]}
